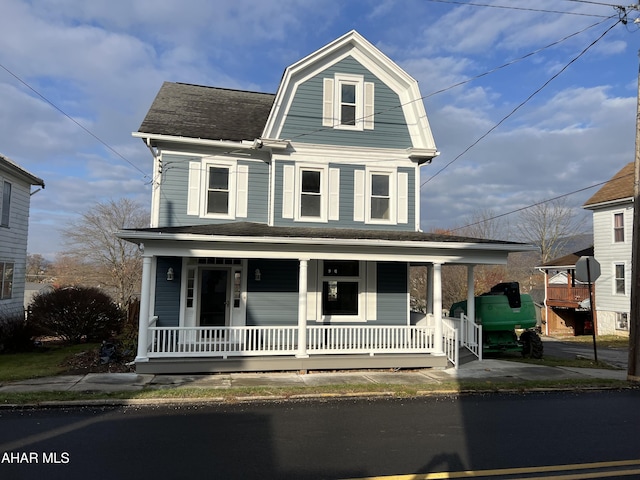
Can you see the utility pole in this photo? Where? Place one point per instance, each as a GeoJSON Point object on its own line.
{"type": "Point", "coordinates": [633, 367]}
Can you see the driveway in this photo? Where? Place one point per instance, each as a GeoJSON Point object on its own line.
{"type": "Point", "coordinates": [554, 347]}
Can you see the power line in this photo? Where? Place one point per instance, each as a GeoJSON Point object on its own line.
{"type": "Point", "coordinates": [113, 150]}
{"type": "Point", "coordinates": [510, 7]}
{"type": "Point", "coordinates": [520, 105]}
{"type": "Point", "coordinates": [542, 202]}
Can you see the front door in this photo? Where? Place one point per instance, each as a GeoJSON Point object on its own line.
{"type": "Point", "coordinates": [214, 301]}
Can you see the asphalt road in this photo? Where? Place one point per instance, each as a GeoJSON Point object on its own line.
{"type": "Point", "coordinates": [322, 439]}
{"type": "Point", "coordinates": [618, 357]}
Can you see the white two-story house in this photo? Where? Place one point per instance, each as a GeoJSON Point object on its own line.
{"type": "Point", "coordinates": [284, 225]}
{"type": "Point", "coordinates": [15, 198]}
{"type": "Point", "coordinates": [612, 207]}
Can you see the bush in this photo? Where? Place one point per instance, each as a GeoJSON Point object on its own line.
{"type": "Point", "coordinates": [16, 335]}
{"type": "Point", "coordinates": [76, 314]}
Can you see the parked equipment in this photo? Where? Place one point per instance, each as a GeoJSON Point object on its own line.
{"type": "Point", "coordinates": [501, 312]}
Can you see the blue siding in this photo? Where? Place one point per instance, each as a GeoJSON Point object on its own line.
{"type": "Point", "coordinates": [167, 299]}
{"type": "Point", "coordinates": [392, 307]}
{"type": "Point", "coordinates": [346, 201]}
{"type": "Point", "coordinates": [175, 186]}
{"type": "Point", "coordinates": [274, 299]}
{"type": "Point", "coordinates": [304, 118]}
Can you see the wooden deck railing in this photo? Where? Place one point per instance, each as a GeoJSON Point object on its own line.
{"type": "Point", "coordinates": [567, 295]}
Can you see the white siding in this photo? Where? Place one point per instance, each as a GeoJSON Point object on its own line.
{"type": "Point", "coordinates": [609, 253]}
{"type": "Point", "coordinates": [13, 241]}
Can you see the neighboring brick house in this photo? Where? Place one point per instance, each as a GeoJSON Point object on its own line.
{"type": "Point", "coordinates": [15, 196]}
{"type": "Point", "coordinates": [612, 208]}
{"type": "Point", "coordinates": [283, 226]}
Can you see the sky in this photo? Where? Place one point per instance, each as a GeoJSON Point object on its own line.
{"type": "Point", "coordinates": [545, 102]}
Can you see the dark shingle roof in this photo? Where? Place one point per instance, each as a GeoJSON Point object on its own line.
{"type": "Point", "coordinates": [570, 259]}
{"type": "Point", "coordinates": [249, 229]}
{"type": "Point", "coordinates": [9, 165]}
{"type": "Point", "coordinates": [619, 187]}
{"type": "Point", "coordinates": [210, 113]}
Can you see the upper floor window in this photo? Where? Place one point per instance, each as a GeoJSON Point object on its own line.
{"type": "Point", "coordinates": [218, 191]}
{"type": "Point", "coordinates": [618, 227]}
{"type": "Point", "coordinates": [619, 280]}
{"type": "Point", "coordinates": [6, 204]}
{"type": "Point", "coordinates": [348, 102]}
{"type": "Point", "coordinates": [380, 196]}
{"type": "Point", "coordinates": [310, 193]}
{"type": "Point", "coordinates": [218, 188]}
{"type": "Point", "coordinates": [6, 280]}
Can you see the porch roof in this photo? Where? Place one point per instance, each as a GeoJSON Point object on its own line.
{"type": "Point", "coordinates": [254, 239]}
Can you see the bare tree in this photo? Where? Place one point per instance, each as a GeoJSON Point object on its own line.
{"type": "Point", "coordinates": [549, 226]}
{"type": "Point", "coordinates": [93, 238]}
{"type": "Point", "coordinates": [38, 268]}
{"type": "Point", "coordinates": [485, 224]}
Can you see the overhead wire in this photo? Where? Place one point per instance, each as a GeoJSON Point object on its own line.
{"type": "Point", "coordinates": [519, 106]}
{"type": "Point", "coordinates": [511, 7]}
{"type": "Point", "coordinates": [86, 130]}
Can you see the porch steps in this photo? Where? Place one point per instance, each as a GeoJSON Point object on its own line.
{"type": "Point", "coordinates": [465, 356]}
{"type": "Point", "coordinates": [270, 364]}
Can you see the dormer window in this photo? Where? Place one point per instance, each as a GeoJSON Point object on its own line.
{"type": "Point", "coordinates": [348, 102]}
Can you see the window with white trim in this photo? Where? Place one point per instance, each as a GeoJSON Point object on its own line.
{"type": "Point", "coordinates": [217, 188]}
{"type": "Point", "coordinates": [217, 202]}
{"type": "Point", "coordinates": [6, 204]}
{"type": "Point", "coordinates": [342, 285]}
{"type": "Point", "coordinates": [310, 193]}
{"type": "Point", "coordinates": [619, 287]}
{"type": "Point", "coordinates": [348, 102]}
{"type": "Point", "coordinates": [618, 227]}
{"type": "Point", "coordinates": [381, 196]}
{"type": "Point", "coordinates": [6, 280]}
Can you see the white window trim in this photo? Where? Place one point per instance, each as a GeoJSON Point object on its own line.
{"type": "Point", "coordinates": [350, 79]}
{"type": "Point", "coordinates": [324, 192]}
{"type": "Point", "coordinates": [613, 227]}
{"type": "Point", "coordinates": [5, 209]}
{"type": "Point", "coordinates": [393, 206]}
{"type": "Point", "coordinates": [204, 183]}
{"type": "Point", "coordinates": [615, 279]}
{"type": "Point", "coordinates": [362, 305]}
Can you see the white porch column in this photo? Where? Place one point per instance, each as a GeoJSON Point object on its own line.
{"type": "Point", "coordinates": [302, 310]}
{"type": "Point", "coordinates": [471, 293]}
{"type": "Point", "coordinates": [145, 302]}
{"type": "Point", "coordinates": [437, 306]}
{"type": "Point", "coordinates": [429, 289]}
{"type": "Point", "coordinates": [471, 301]}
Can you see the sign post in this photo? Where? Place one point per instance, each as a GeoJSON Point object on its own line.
{"type": "Point", "coordinates": [588, 269]}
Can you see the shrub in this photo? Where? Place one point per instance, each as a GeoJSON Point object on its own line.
{"type": "Point", "coordinates": [76, 314]}
{"type": "Point", "coordinates": [16, 335]}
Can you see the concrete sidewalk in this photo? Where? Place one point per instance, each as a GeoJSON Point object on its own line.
{"type": "Point", "coordinates": [486, 370]}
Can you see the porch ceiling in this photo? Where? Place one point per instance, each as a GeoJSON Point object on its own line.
{"type": "Point", "coordinates": [253, 240]}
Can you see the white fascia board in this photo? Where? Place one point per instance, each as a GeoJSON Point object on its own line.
{"type": "Point", "coordinates": [348, 155]}
{"type": "Point", "coordinates": [195, 141]}
{"type": "Point", "coordinates": [313, 241]}
{"type": "Point", "coordinates": [610, 203]}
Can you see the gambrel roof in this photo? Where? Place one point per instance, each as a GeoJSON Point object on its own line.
{"type": "Point", "coordinates": [210, 113]}
{"type": "Point", "coordinates": [620, 187]}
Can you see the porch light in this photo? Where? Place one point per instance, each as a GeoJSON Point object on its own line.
{"type": "Point", "coordinates": [258, 275]}
{"type": "Point", "coordinates": [170, 275]}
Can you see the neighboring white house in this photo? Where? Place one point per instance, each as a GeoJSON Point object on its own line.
{"type": "Point", "coordinates": [15, 195]}
{"type": "Point", "coordinates": [612, 208]}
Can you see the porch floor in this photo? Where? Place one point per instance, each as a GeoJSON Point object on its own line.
{"type": "Point", "coordinates": [286, 363]}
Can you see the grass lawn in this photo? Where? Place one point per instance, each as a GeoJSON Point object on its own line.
{"type": "Point", "coordinates": [606, 341]}
{"type": "Point", "coordinates": [39, 363]}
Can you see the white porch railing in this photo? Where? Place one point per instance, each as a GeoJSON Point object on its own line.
{"type": "Point", "coordinates": [470, 333]}
{"type": "Point", "coordinates": [221, 341]}
{"type": "Point", "coordinates": [321, 339]}
{"type": "Point", "coordinates": [325, 339]}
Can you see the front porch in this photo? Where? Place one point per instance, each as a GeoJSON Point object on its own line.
{"type": "Point", "coordinates": [327, 347]}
